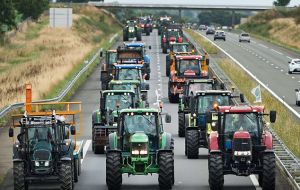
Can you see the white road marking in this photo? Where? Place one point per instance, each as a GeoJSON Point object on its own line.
{"type": "Point", "coordinates": [276, 67]}
{"type": "Point", "coordinates": [272, 64]}
{"type": "Point", "coordinates": [277, 52]}
{"type": "Point", "coordinates": [281, 70]}
{"type": "Point", "coordinates": [254, 42]}
{"type": "Point", "coordinates": [263, 46]}
{"type": "Point", "coordinates": [289, 57]}
{"type": "Point", "coordinates": [85, 148]}
{"type": "Point", "coordinates": [293, 77]}
{"type": "Point", "coordinates": [112, 38]}
{"type": "Point", "coordinates": [255, 182]}
{"type": "Point", "coordinates": [298, 80]}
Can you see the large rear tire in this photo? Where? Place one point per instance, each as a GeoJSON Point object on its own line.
{"type": "Point", "coordinates": [19, 176]}
{"type": "Point", "coordinates": [215, 176]}
{"type": "Point", "coordinates": [139, 36]}
{"type": "Point", "coordinates": [192, 143]}
{"type": "Point", "coordinates": [166, 170]}
{"type": "Point", "coordinates": [113, 171]}
{"type": "Point", "coordinates": [66, 179]}
{"type": "Point", "coordinates": [181, 124]}
{"type": "Point", "coordinates": [75, 170]}
{"type": "Point", "coordinates": [269, 172]}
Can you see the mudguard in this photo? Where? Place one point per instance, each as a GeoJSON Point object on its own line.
{"type": "Point", "coordinates": [190, 122]}
{"type": "Point", "coordinates": [96, 118]}
{"type": "Point", "coordinates": [167, 142]}
{"type": "Point", "coordinates": [112, 142]}
{"type": "Point", "coordinates": [268, 140]}
{"type": "Point", "coordinates": [213, 141]}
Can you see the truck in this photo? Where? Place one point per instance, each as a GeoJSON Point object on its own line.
{"type": "Point", "coordinates": [140, 146]}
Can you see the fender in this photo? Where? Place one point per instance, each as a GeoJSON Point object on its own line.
{"type": "Point", "coordinates": [166, 141]}
{"type": "Point", "coordinates": [112, 141]}
{"type": "Point", "coordinates": [268, 140]}
{"type": "Point", "coordinates": [213, 141]}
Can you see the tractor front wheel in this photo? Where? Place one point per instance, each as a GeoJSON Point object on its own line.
{"type": "Point", "coordinates": [269, 172]}
{"type": "Point", "coordinates": [192, 143]}
{"type": "Point", "coordinates": [19, 176]}
{"type": "Point", "coordinates": [113, 171]}
{"type": "Point", "coordinates": [66, 178]}
{"type": "Point", "coordinates": [166, 170]}
{"type": "Point", "coordinates": [215, 167]}
{"type": "Point", "coordinates": [181, 124]}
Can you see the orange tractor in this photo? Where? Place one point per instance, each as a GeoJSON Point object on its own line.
{"type": "Point", "coordinates": [183, 68]}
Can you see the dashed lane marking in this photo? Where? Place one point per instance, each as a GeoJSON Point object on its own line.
{"type": "Point", "coordinates": [263, 46]}
{"type": "Point", "coordinates": [85, 148]}
{"type": "Point", "coordinates": [276, 51]}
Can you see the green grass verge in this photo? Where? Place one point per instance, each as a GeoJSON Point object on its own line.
{"type": "Point", "coordinates": [208, 46]}
{"type": "Point", "coordinates": [287, 125]}
{"type": "Point", "coordinates": [34, 31]}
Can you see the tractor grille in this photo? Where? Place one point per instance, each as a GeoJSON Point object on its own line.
{"type": "Point", "coordinates": [103, 132]}
{"type": "Point", "coordinates": [241, 144]}
{"type": "Point", "coordinates": [41, 155]}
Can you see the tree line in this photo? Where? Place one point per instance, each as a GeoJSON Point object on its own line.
{"type": "Point", "coordinates": [14, 11]}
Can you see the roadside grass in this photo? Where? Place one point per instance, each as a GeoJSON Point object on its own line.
{"type": "Point", "coordinates": [34, 31]}
{"type": "Point", "coordinates": [46, 59]}
{"type": "Point", "coordinates": [209, 47]}
{"type": "Point", "coordinates": [287, 125]}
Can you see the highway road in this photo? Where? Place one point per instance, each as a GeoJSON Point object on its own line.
{"type": "Point", "coordinates": [268, 62]}
{"type": "Point", "coordinates": [189, 174]}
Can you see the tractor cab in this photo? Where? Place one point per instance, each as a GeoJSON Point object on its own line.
{"type": "Point", "coordinates": [189, 66]}
{"type": "Point", "coordinates": [107, 67]}
{"type": "Point", "coordinates": [180, 48]}
{"type": "Point", "coordinates": [242, 139]}
{"type": "Point", "coordinates": [129, 72]}
{"type": "Point", "coordinates": [140, 89]}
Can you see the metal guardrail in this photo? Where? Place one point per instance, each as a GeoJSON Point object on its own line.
{"type": "Point", "coordinates": [61, 95]}
{"type": "Point", "coordinates": [284, 157]}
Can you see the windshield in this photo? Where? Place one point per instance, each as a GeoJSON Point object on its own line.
{"type": "Point", "coordinates": [145, 123]}
{"type": "Point", "coordinates": [189, 67]}
{"type": "Point", "coordinates": [240, 121]}
{"type": "Point", "coordinates": [245, 35]}
{"type": "Point", "coordinates": [180, 48]}
{"type": "Point", "coordinates": [199, 87]}
{"type": "Point", "coordinates": [38, 134]}
{"type": "Point", "coordinates": [112, 58]}
{"type": "Point", "coordinates": [133, 87]}
{"type": "Point", "coordinates": [129, 74]}
{"type": "Point", "coordinates": [297, 61]}
{"type": "Point", "coordinates": [205, 103]}
{"type": "Point", "coordinates": [173, 32]}
{"type": "Point", "coordinates": [123, 100]}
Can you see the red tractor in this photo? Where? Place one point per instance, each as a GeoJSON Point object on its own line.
{"type": "Point", "coordinates": [241, 146]}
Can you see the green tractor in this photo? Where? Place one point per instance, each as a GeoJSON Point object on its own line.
{"type": "Point", "coordinates": [131, 30]}
{"type": "Point", "coordinates": [107, 67]}
{"type": "Point", "coordinates": [141, 91]}
{"type": "Point", "coordinates": [190, 87]}
{"type": "Point", "coordinates": [44, 151]}
{"type": "Point", "coordinates": [203, 104]}
{"type": "Point", "coordinates": [140, 147]}
{"type": "Point", "coordinates": [104, 120]}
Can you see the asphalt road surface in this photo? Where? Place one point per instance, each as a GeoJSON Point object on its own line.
{"type": "Point", "coordinates": [189, 174]}
{"type": "Point", "coordinates": [268, 62]}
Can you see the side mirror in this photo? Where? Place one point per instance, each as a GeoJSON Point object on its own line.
{"type": "Point", "coordinates": [101, 54]}
{"type": "Point", "coordinates": [73, 130]}
{"type": "Point", "coordinates": [11, 132]}
{"type": "Point", "coordinates": [272, 116]}
{"type": "Point", "coordinates": [150, 47]}
{"type": "Point", "coordinates": [208, 116]}
{"type": "Point", "coordinates": [222, 86]}
{"type": "Point", "coordinates": [168, 118]}
{"type": "Point", "coordinates": [102, 103]}
{"type": "Point", "coordinates": [296, 90]}
{"type": "Point", "coordinates": [242, 98]}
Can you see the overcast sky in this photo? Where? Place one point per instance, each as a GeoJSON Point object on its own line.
{"type": "Point", "coordinates": [207, 2]}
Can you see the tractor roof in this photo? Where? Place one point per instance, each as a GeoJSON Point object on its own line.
{"type": "Point", "coordinates": [221, 92]}
{"type": "Point", "coordinates": [125, 82]}
{"type": "Point", "coordinates": [189, 57]}
{"type": "Point", "coordinates": [112, 51]}
{"type": "Point", "coordinates": [241, 109]}
{"type": "Point", "coordinates": [140, 110]}
{"type": "Point", "coordinates": [191, 81]}
{"type": "Point", "coordinates": [183, 43]}
{"type": "Point", "coordinates": [129, 66]}
{"type": "Point", "coordinates": [134, 44]}
{"type": "Point", "coordinates": [117, 91]}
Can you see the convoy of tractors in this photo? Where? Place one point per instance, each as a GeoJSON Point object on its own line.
{"type": "Point", "coordinates": [132, 135]}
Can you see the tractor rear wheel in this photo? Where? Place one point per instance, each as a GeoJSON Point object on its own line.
{"type": "Point", "coordinates": [166, 170]}
{"type": "Point", "coordinates": [19, 176]}
{"type": "Point", "coordinates": [113, 171]}
{"type": "Point", "coordinates": [215, 167]}
{"type": "Point", "coordinates": [66, 178]}
{"type": "Point", "coordinates": [269, 172]}
{"type": "Point", "coordinates": [181, 124]}
{"type": "Point", "coordinates": [139, 36]}
{"type": "Point", "coordinates": [192, 143]}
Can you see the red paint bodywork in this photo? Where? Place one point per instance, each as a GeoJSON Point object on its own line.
{"type": "Point", "coordinates": [267, 140]}
{"type": "Point", "coordinates": [213, 141]}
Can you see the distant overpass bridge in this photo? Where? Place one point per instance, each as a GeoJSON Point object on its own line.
{"type": "Point", "coordinates": [180, 6]}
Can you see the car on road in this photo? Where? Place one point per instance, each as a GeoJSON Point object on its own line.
{"type": "Point", "coordinates": [210, 31]}
{"type": "Point", "coordinates": [220, 34]}
{"type": "Point", "coordinates": [244, 37]}
{"type": "Point", "coordinates": [202, 27]}
{"type": "Point", "coordinates": [294, 66]}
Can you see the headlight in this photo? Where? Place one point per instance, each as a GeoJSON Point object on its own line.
{"type": "Point", "coordinates": [47, 163]}
{"type": "Point", "coordinates": [213, 124]}
{"type": "Point", "coordinates": [143, 152]}
{"type": "Point", "coordinates": [135, 152]}
{"type": "Point", "coordinates": [37, 163]}
{"type": "Point", "coordinates": [242, 153]}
